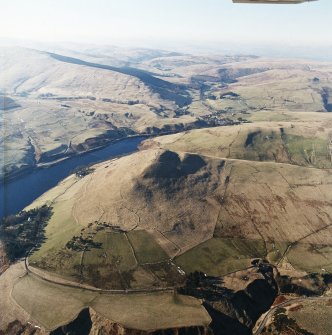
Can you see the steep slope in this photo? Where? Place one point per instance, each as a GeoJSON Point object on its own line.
{"type": "Point", "coordinates": [33, 72]}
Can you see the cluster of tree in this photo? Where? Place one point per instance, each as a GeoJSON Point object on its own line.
{"type": "Point", "coordinates": [24, 231]}
{"type": "Point", "coordinates": [83, 171]}
{"type": "Point", "coordinates": [313, 284]}
{"type": "Point", "coordinates": [80, 243]}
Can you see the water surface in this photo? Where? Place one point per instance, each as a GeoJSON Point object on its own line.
{"type": "Point", "coordinates": [16, 194]}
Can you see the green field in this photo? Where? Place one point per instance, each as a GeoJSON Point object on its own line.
{"type": "Point", "coordinates": [111, 264]}
{"type": "Point", "coordinates": [311, 257]}
{"type": "Point", "coordinates": [308, 151]}
{"type": "Point", "coordinates": [275, 251]}
{"type": "Point", "coordinates": [220, 256]}
{"type": "Point", "coordinates": [53, 255]}
{"type": "Point", "coordinates": [115, 252]}
{"type": "Point", "coordinates": [114, 259]}
{"type": "Point", "coordinates": [147, 250]}
{"type": "Point", "coordinates": [48, 304]}
{"type": "Point", "coordinates": [128, 260]}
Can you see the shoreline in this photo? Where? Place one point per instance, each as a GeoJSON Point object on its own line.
{"type": "Point", "coordinates": [21, 187]}
{"type": "Point", "coordinates": [21, 172]}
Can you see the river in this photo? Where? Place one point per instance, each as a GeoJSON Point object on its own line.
{"type": "Point", "coordinates": [16, 194]}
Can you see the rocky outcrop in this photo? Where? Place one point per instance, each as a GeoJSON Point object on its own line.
{"type": "Point", "coordinates": [235, 312]}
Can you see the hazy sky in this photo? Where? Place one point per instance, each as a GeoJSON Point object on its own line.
{"type": "Point", "coordinates": [169, 21]}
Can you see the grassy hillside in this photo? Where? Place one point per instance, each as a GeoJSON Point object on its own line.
{"type": "Point", "coordinates": [58, 305]}
{"type": "Point", "coordinates": [305, 143]}
{"type": "Point", "coordinates": [210, 199]}
{"type": "Point", "coordinates": [307, 317]}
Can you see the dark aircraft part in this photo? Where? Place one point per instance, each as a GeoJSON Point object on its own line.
{"type": "Point", "coordinates": [272, 1]}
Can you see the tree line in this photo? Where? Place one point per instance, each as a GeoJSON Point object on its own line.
{"type": "Point", "coordinates": [21, 232]}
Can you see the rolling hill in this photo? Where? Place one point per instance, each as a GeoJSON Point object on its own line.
{"type": "Point", "coordinates": [88, 97]}
{"type": "Point", "coordinates": [199, 231]}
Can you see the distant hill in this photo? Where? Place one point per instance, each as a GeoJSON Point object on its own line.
{"type": "Point", "coordinates": [87, 97]}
